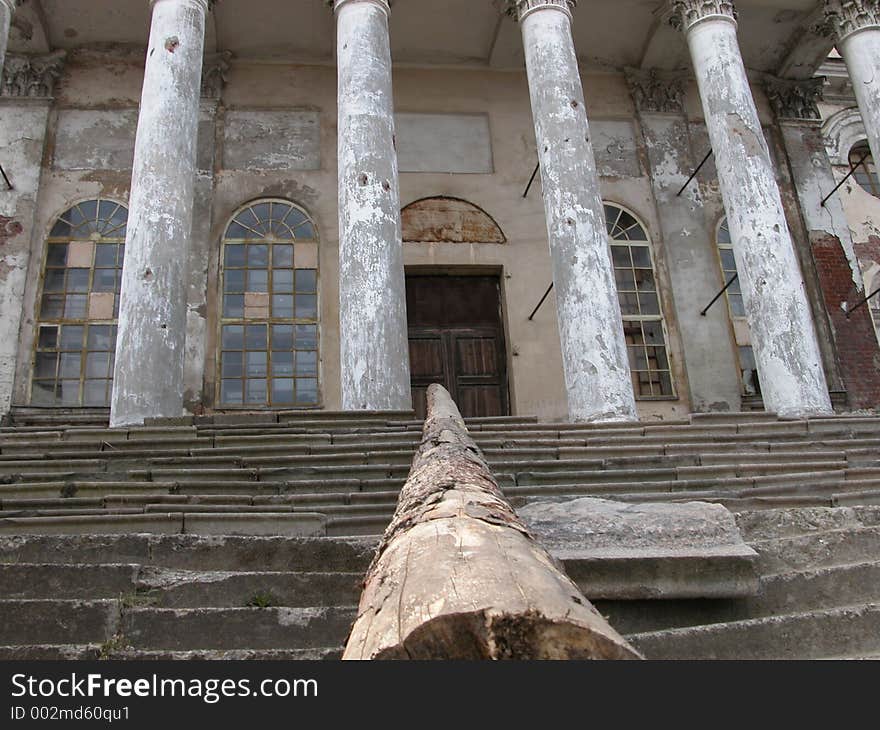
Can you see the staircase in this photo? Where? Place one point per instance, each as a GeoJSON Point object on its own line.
{"type": "Point", "coordinates": [245, 536]}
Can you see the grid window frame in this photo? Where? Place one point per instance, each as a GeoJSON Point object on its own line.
{"type": "Point", "coordinates": [78, 306]}
{"type": "Point", "coordinates": [641, 309]}
{"type": "Point", "coordinates": [269, 279]}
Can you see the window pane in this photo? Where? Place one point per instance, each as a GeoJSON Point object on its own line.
{"type": "Point", "coordinates": [306, 337]}
{"type": "Point", "coordinates": [257, 281]}
{"type": "Point", "coordinates": [48, 339]}
{"type": "Point", "coordinates": [95, 393]}
{"type": "Point", "coordinates": [98, 365]}
{"type": "Point", "coordinates": [620, 257]}
{"type": "Point", "coordinates": [255, 391]}
{"type": "Point", "coordinates": [233, 337]}
{"type": "Point", "coordinates": [258, 256]}
{"type": "Point", "coordinates": [306, 363]}
{"type": "Point", "coordinates": [233, 305]}
{"type": "Point", "coordinates": [737, 308]}
{"type": "Point", "coordinates": [57, 255]}
{"type": "Point", "coordinates": [649, 303]}
{"type": "Point", "coordinates": [282, 256]}
{"type": "Point", "coordinates": [306, 391]}
{"type": "Point", "coordinates": [255, 337]}
{"type": "Point", "coordinates": [282, 282]}
{"type": "Point", "coordinates": [256, 364]}
{"type": "Point", "coordinates": [645, 280]}
{"type": "Point", "coordinates": [282, 391]}
{"type": "Point", "coordinates": [282, 364]}
{"type": "Point", "coordinates": [306, 281]}
{"type": "Point", "coordinates": [52, 307]}
{"type": "Point", "coordinates": [232, 364]}
{"type": "Point", "coordinates": [54, 280]}
{"type": "Point", "coordinates": [43, 393]}
{"type": "Point", "coordinates": [75, 306]}
{"type": "Point", "coordinates": [72, 337]}
{"type": "Point", "coordinates": [71, 365]}
{"type": "Point", "coordinates": [105, 280]}
{"type": "Point", "coordinates": [306, 306]}
{"type": "Point", "coordinates": [282, 306]}
{"type": "Point", "coordinates": [45, 364]}
{"type": "Point", "coordinates": [102, 337]}
{"type": "Point", "coordinates": [236, 230]}
{"type": "Point", "coordinates": [69, 392]}
{"type": "Point", "coordinates": [641, 257]}
{"type": "Point", "coordinates": [230, 392]}
{"type": "Point", "coordinates": [78, 280]}
{"type": "Point", "coordinates": [105, 255]}
{"type": "Point", "coordinates": [235, 255]}
{"type": "Point", "coordinates": [282, 337]}
{"type": "Point", "coordinates": [234, 281]}
{"type": "Point", "coordinates": [728, 262]}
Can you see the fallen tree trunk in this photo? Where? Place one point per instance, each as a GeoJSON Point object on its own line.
{"type": "Point", "coordinates": [458, 576]}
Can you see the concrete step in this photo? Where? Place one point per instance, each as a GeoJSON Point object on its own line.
{"type": "Point", "coordinates": [813, 590]}
{"type": "Point", "coordinates": [189, 629]}
{"type": "Point", "coordinates": [56, 621]}
{"type": "Point", "coordinates": [805, 635]}
{"type": "Point", "coordinates": [193, 552]}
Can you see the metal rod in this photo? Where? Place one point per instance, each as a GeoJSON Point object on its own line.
{"type": "Point", "coordinates": [848, 176]}
{"type": "Point", "coordinates": [546, 294]}
{"type": "Point", "coordinates": [531, 180]}
{"type": "Point", "coordinates": [695, 173]}
{"type": "Point", "coordinates": [863, 302]}
{"type": "Point", "coordinates": [3, 172]}
{"type": "Point", "coordinates": [718, 295]}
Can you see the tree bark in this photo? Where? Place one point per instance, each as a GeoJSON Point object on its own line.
{"type": "Point", "coordinates": [458, 576]}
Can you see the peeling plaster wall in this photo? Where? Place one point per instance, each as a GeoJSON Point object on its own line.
{"type": "Point", "coordinates": [22, 138]}
{"type": "Point", "coordinates": [104, 89]}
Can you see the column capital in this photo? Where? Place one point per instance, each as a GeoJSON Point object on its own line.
{"type": "Point", "coordinates": [519, 9]}
{"type": "Point", "coordinates": [656, 91]}
{"type": "Point", "coordinates": [684, 14]}
{"type": "Point", "coordinates": [384, 5]}
{"type": "Point", "coordinates": [845, 17]}
{"type": "Point", "coordinates": [794, 98]}
{"type": "Point", "coordinates": [32, 76]}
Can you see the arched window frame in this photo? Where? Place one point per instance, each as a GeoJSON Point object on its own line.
{"type": "Point", "coordinates": [749, 382]}
{"type": "Point", "coordinates": [78, 305]}
{"type": "Point", "coordinates": [286, 351]}
{"type": "Point", "coordinates": [865, 171]}
{"type": "Point", "coordinates": [635, 273]}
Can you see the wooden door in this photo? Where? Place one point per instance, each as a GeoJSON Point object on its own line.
{"type": "Point", "coordinates": [456, 339]}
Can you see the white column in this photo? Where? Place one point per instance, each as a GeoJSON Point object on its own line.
{"type": "Point", "coordinates": [594, 356]}
{"type": "Point", "coordinates": [783, 334]}
{"type": "Point", "coordinates": [374, 345]}
{"type": "Point", "coordinates": [855, 25]}
{"type": "Point", "coordinates": [148, 379]}
{"type": "Point", "coordinates": [7, 10]}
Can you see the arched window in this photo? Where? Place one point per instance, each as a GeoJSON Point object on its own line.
{"type": "Point", "coordinates": [737, 311]}
{"type": "Point", "coordinates": [269, 322]}
{"type": "Point", "coordinates": [639, 304]}
{"type": "Point", "coordinates": [862, 162]}
{"type": "Point", "coordinates": [78, 306]}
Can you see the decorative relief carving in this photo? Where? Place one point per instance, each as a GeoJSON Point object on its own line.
{"type": "Point", "coordinates": [844, 17]}
{"type": "Point", "coordinates": [518, 9]}
{"type": "Point", "coordinates": [794, 99]}
{"type": "Point", "coordinates": [214, 74]}
{"type": "Point", "coordinates": [655, 91]}
{"type": "Point", "coordinates": [32, 76]}
{"type": "Point", "coordinates": [684, 13]}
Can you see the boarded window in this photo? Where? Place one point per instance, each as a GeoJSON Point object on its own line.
{"type": "Point", "coordinates": [79, 305]}
{"type": "Point", "coordinates": [269, 322]}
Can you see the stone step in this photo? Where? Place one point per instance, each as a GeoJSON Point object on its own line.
{"type": "Point", "coordinates": [163, 588]}
{"type": "Point", "coordinates": [189, 629]}
{"type": "Point", "coordinates": [66, 581]}
{"type": "Point", "coordinates": [770, 524]}
{"type": "Point", "coordinates": [193, 552]}
{"type": "Point", "coordinates": [51, 652]}
{"type": "Point", "coordinates": [56, 621]}
{"type": "Point", "coordinates": [805, 635]}
{"type": "Point", "coordinates": [817, 550]}
{"type": "Point", "coordinates": [284, 655]}
{"type": "Point", "coordinates": [782, 594]}
{"type": "Point", "coordinates": [306, 524]}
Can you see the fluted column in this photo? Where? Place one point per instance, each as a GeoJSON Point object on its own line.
{"type": "Point", "coordinates": [594, 356]}
{"type": "Point", "coordinates": [783, 334]}
{"type": "Point", "coordinates": [7, 10]}
{"type": "Point", "coordinates": [148, 377]}
{"type": "Point", "coordinates": [373, 337]}
{"type": "Point", "coordinates": [855, 26]}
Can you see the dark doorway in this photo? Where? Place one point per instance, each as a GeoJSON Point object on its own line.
{"type": "Point", "coordinates": [456, 339]}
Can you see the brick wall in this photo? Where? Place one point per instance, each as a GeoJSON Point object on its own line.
{"type": "Point", "coordinates": [855, 338]}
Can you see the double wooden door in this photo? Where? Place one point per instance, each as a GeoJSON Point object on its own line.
{"type": "Point", "coordinates": [456, 339]}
